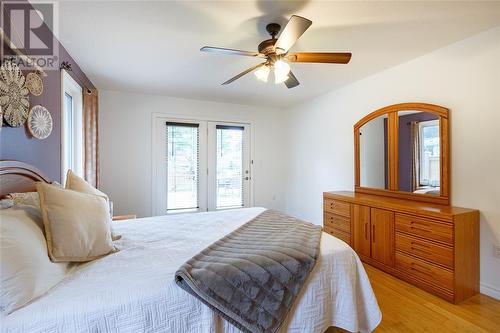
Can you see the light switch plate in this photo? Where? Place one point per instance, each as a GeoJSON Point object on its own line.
{"type": "Point", "coordinates": [496, 251]}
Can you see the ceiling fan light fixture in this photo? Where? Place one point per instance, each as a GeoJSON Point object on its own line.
{"type": "Point", "coordinates": [275, 51]}
{"type": "Point", "coordinates": [281, 70]}
{"type": "Point", "coordinates": [262, 73]}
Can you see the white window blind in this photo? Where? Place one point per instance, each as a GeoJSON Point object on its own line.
{"type": "Point", "coordinates": [182, 166]}
{"type": "Point", "coordinates": [229, 167]}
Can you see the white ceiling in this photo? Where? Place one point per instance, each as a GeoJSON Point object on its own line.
{"type": "Point", "coordinates": [153, 47]}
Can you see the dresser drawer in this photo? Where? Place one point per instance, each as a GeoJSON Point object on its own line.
{"type": "Point", "coordinates": [434, 252]}
{"type": "Point", "coordinates": [436, 275]}
{"type": "Point", "coordinates": [427, 228]}
{"type": "Point", "coordinates": [338, 222]}
{"type": "Point", "coordinates": [339, 234]}
{"type": "Point", "coordinates": [337, 207]}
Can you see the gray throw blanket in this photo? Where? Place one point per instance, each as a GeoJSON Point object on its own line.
{"type": "Point", "coordinates": [252, 276]}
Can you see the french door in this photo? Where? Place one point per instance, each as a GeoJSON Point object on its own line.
{"type": "Point", "coordinates": [200, 166]}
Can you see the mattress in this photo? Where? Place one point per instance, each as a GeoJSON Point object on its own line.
{"type": "Point", "coordinates": [133, 290]}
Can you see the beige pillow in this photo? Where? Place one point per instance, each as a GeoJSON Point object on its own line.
{"type": "Point", "coordinates": [77, 225]}
{"type": "Point", "coordinates": [26, 271]}
{"type": "Point", "coordinates": [76, 183]}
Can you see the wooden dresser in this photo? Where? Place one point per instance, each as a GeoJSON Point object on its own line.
{"type": "Point", "coordinates": [434, 247]}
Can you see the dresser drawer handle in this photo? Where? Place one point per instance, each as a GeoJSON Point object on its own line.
{"type": "Point", "coordinates": [417, 267]}
{"type": "Point", "coordinates": [425, 246]}
{"type": "Point", "coordinates": [421, 272]}
{"type": "Point", "coordinates": [420, 223]}
{"type": "Point", "coordinates": [413, 264]}
{"type": "Point", "coordinates": [420, 229]}
{"type": "Point", "coordinates": [421, 250]}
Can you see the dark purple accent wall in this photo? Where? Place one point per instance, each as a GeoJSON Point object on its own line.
{"type": "Point", "coordinates": [405, 146]}
{"type": "Point", "coordinates": [17, 143]}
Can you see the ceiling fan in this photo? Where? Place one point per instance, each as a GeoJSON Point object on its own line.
{"type": "Point", "coordinates": [276, 55]}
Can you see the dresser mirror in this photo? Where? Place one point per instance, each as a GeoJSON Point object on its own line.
{"type": "Point", "coordinates": [373, 153]}
{"type": "Point", "coordinates": [402, 151]}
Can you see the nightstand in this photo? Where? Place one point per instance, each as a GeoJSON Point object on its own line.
{"type": "Point", "coordinates": [124, 217]}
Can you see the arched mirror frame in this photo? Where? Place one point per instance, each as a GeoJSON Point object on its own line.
{"type": "Point", "coordinates": [392, 156]}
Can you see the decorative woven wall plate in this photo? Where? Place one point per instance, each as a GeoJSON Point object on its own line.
{"type": "Point", "coordinates": [40, 122]}
{"type": "Point", "coordinates": [34, 83]}
{"type": "Point", "coordinates": [13, 94]}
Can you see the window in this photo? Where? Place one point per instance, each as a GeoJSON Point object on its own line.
{"type": "Point", "coordinates": [429, 153]}
{"type": "Point", "coordinates": [199, 165]}
{"type": "Point", "coordinates": [182, 166]}
{"type": "Point", "coordinates": [71, 126]}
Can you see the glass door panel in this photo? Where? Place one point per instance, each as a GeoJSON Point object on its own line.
{"type": "Point", "coordinates": [182, 166]}
{"type": "Point", "coordinates": [230, 171]}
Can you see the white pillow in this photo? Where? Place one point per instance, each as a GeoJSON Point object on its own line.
{"type": "Point", "coordinates": [26, 271]}
{"type": "Point", "coordinates": [25, 198]}
{"type": "Point", "coordinates": [6, 203]}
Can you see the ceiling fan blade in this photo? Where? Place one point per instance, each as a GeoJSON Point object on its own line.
{"type": "Point", "coordinates": [292, 81]}
{"type": "Point", "coordinates": [331, 58]}
{"type": "Point", "coordinates": [251, 69]}
{"type": "Point", "coordinates": [231, 51]}
{"type": "Point", "coordinates": [295, 27]}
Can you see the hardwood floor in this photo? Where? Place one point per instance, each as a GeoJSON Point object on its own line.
{"type": "Point", "coordinates": [406, 308]}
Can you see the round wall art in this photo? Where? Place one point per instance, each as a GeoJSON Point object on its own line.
{"type": "Point", "coordinates": [13, 94]}
{"type": "Point", "coordinates": [40, 122]}
{"type": "Point", "coordinates": [34, 83]}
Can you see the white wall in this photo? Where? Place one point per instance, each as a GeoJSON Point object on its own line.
{"type": "Point", "coordinates": [464, 77]}
{"type": "Point", "coordinates": [125, 146]}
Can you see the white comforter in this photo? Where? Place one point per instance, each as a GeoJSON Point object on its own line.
{"type": "Point", "coordinates": [133, 290]}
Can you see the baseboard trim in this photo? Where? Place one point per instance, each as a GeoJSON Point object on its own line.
{"type": "Point", "coordinates": [489, 290]}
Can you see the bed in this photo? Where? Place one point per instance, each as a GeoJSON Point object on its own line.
{"type": "Point", "coordinates": [133, 290]}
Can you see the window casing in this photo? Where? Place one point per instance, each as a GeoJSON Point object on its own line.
{"type": "Point", "coordinates": [71, 126]}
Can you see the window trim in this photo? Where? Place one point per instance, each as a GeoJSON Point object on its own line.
{"type": "Point", "coordinates": [71, 87]}
{"type": "Point", "coordinates": [158, 120]}
{"type": "Point", "coordinates": [421, 126]}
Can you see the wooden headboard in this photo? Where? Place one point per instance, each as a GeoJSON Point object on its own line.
{"type": "Point", "coordinates": [16, 176]}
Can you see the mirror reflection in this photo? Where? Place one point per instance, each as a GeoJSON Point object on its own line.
{"type": "Point", "coordinates": [373, 153]}
{"type": "Point", "coordinates": [419, 152]}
